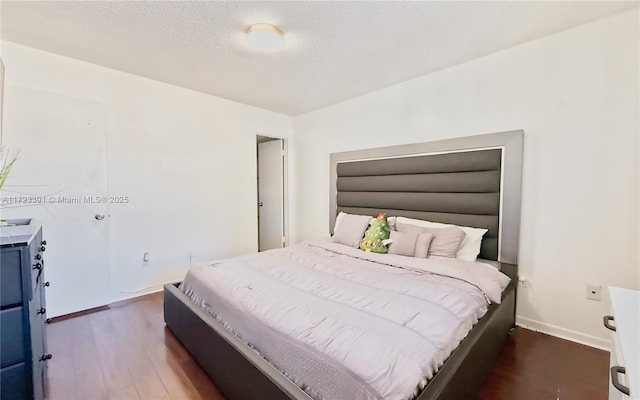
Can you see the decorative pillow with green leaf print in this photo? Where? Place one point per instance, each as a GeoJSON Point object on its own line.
{"type": "Point", "coordinates": [376, 238]}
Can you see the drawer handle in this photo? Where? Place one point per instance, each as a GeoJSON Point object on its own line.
{"type": "Point", "coordinates": [46, 357]}
{"type": "Point", "coordinates": [44, 243]}
{"type": "Point", "coordinates": [46, 284]}
{"type": "Point", "coordinates": [605, 320]}
{"type": "Point", "coordinates": [42, 310]}
{"type": "Point", "coordinates": [47, 321]}
{"type": "Point", "coordinates": [42, 248]}
{"type": "Point", "coordinates": [38, 257]}
{"type": "Point", "coordinates": [37, 266]}
{"type": "Point", "coordinates": [614, 379]}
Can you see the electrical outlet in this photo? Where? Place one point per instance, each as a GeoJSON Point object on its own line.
{"type": "Point", "coordinates": [593, 292]}
{"type": "Point", "coordinates": [522, 281]}
{"type": "Point", "coordinates": [146, 258]}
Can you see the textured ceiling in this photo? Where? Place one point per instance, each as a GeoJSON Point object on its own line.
{"type": "Point", "coordinates": [334, 50]}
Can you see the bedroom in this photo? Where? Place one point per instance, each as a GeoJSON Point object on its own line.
{"type": "Point", "coordinates": [157, 106]}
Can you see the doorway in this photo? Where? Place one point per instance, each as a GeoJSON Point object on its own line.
{"type": "Point", "coordinates": [271, 153]}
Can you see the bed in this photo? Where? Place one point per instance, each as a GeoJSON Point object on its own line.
{"type": "Point", "coordinates": [389, 340]}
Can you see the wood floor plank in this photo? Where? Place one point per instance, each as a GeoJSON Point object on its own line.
{"type": "Point", "coordinates": [134, 357]}
{"type": "Point", "coordinates": [89, 379]}
{"type": "Point", "coordinates": [147, 381]}
{"type": "Point", "coordinates": [127, 353]}
{"type": "Point", "coordinates": [535, 366]}
{"type": "Point", "coordinates": [62, 377]}
{"type": "Point", "coordinates": [142, 318]}
{"type": "Point", "coordinates": [116, 378]}
{"type": "Point", "coordinates": [166, 363]}
{"type": "Point", "coordinates": [150, 387]}
{"type": "Point", "coordinates": [125, 393]}
{"type": "Point", "coordinates": [177, 383]}
{"type": "Point", "coordinates": [61, 371]}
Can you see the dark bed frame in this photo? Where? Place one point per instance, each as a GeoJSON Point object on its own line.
{"type": "Point", "coordinates": [241, 373]}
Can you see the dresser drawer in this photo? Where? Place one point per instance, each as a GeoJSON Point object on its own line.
{"type": "Point", "coordinates": [11, 337]}
{"type": "Point", "coordinates": [11, 278]}
{"type": "Point", "coordinates": [13, 382]}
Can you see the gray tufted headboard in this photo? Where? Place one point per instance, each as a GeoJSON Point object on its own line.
{"type": "Point", "coordinates": [472, 181]}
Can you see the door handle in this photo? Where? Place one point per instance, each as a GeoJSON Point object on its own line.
{"type": "Point", "coordinates": [605, 320]}
{"type": "Point", "coordinates": [99, 217]}
{"type": "Point", "coordinates": [616, 382]}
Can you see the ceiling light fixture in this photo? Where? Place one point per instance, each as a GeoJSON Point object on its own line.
{"type": "Point", "coordinates": [265, 37]}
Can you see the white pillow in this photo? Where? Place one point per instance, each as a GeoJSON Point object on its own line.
{"type": "Point", "coordinates": [390, 220]}
{"type": "Point", "coordinates": [350, 228]}
{"type": "Point", "coordinates": [338, 220]}
{"type": "Point", "coordinates": [470, 247]}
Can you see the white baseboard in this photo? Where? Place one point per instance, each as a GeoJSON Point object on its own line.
{"type": "Point", "coordinates": [563, 333]}
{"type": "Point", "coordinates": [137, 293]}
{"type": "Point", "coordinates": [114, 299]}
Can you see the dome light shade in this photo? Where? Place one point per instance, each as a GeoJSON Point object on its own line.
{"type": "Point", "coordinates": [265, 37]}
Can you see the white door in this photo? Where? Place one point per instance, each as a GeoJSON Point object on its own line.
{"type": "Point", "coordinates": [270, 195]}
{"type": "Point", "coordinates": [61, 176]}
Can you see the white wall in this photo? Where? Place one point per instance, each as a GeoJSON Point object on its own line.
{"type": "Point", "coordinates": [575, 94]}
{"type": "Point", "coordinates": [186, 160]}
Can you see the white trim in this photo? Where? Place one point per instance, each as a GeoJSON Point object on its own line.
{"type": "Point", "coordinates": [564, 333]}
{"type": "Point", "coordinates": [142, 292]}
{"type": "Point", "coordinates": [433, 153]}
{"type": "Point", "coordinates": [503, 150]}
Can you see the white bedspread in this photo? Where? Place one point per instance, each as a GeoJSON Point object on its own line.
{"type": "Point", "coordinates": [390, 321]}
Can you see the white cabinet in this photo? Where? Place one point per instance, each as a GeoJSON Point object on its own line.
{"type": "Point", "coordinates": [625, 344]}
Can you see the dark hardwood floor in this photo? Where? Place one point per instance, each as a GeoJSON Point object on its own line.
{"type": "Point", "coordinates": [125, 352]}
{"type": "Point", "coordinates": [534, 366]}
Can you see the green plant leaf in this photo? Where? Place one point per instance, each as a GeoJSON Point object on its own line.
{"type": "Point", "coordinates": [7, 159]}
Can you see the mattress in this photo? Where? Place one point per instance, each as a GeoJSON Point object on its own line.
{"type": "Point", "coordinates": [345, 324]}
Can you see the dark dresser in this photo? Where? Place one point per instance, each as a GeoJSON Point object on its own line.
{"type": "Point", "coordinates": [23, 318]}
